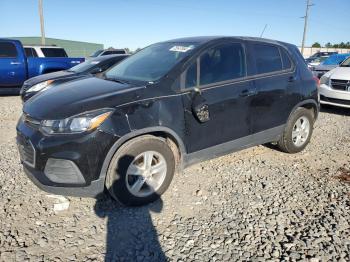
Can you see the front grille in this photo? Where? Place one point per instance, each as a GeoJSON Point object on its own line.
{"type": "Point", "coordinates": [343, 85]}
{"type": "Point", "coordinates": [336, 101]}
{"type": "Point", "coordinates": [26, 150]}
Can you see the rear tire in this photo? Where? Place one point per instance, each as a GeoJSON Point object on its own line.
{"type": "Point", "coordinates": [140, 171]}
{"type": "Point", "coordinates": [298, 131]}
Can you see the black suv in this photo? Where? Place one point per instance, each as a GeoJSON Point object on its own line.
{"type": "Point", "coordinates": [164, 108]}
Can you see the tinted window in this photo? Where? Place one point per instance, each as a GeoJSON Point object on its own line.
{"type": "Point", "coordinates": [96, 53]}
{"type": "Point", "coordinates": [84, 67]}
{"type": "Point", "coordinates": [152, 62]}
{"type": "Point", "coordinates": [7, 50]}
{"type": "Point", "coordinates": [54, 52]}
{"type": "Point", "coordinates": [191, 76]}
{"type": "Point", "coordinates": [222, 63]}
{"type": "Point", "coordinates": [285, 59]}
{"type": "Point", "coordinates": [30, 52]}
{"type": "Point", "coordinates": [267, 58]}
{"type": "Point", "coordinates": [114, 52]}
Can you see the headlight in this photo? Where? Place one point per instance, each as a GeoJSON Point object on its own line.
{"type": "Point", "coordinates": [76, 124]}
{"type": "Point", "coordinates": [40, 86]}
{"type": "Point", "coordinates": [324, 80]}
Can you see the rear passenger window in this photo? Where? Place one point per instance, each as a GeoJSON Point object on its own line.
{"type": "Point", "coordinates": [7, 50]}
{"type": "Point", "coordinates": [267, 58]}
{"type": "Point", "coordinates": [285, 59]}
{"type": "Point", "coordinates": [222, 63]}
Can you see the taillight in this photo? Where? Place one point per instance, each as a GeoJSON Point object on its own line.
{"type": "Point", "coordinates": [317, 80]}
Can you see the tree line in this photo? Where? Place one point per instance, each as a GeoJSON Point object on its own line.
{"type": "Point", "coordinates": [330, 45]}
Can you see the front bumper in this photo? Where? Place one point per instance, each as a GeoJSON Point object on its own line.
{"type": "Point", "coordinates": [64, 164]}
{"type": "Point", "coordinates": [330, 96]}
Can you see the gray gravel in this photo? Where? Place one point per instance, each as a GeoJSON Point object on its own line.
{"type": "Point", "coordinates": [258, 204]}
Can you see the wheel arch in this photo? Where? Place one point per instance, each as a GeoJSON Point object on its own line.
{"type": "Point", "coordinates": [163, 132]}
{"type": "Point", "coordinates": [308, 104]}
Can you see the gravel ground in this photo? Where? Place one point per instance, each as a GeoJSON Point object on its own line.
{"type": "Point", "coordinates": [258, 204]}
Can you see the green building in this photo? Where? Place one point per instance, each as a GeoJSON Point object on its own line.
{"type": "Point", "coordinates": [73, 48]}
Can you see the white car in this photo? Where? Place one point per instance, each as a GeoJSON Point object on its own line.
{"type": "Point", "coordinates": [335, 86]}
{"type": "Point", "coordinates": [44, 51]}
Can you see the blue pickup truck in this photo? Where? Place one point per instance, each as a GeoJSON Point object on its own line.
{"type": "Point", "coordinates": [16, 67]}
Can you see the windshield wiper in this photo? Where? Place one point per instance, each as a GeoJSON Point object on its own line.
{"type": "Point", "coordinates": [117, 80]}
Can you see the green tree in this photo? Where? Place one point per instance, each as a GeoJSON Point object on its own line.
{"type": "Point", "coordinates": [329, 45]}
{"type": "Point", "coordinates": [316, 44]}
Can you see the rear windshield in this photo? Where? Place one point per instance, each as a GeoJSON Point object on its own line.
{"type": "Point", "coordinates": [335, 59]}
{"type": "Point", "coordinates": [151, 63]}
{"type": "Point", "coordinates": [95, 54]}
{"type": "Point", "coordinates": [54, 52]}
{"type": "Point", "coordinates": [346, 63]}
{"type": "Point", "coordinates": [114, 52]}
{"type": "Point", "coordinates": [84, 67]}
{"type": "Point", "coordinates": [7, 50]}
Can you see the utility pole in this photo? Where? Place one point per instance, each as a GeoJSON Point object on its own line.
{"type": "Point", "coordinates": [306, 17]}
{"type": "Point", "coordinates": [42, 22]}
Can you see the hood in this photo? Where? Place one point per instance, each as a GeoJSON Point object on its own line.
{"type": "Point", "coordinates": [50, 76]}
{"type": "Point", "coordinates": [78, 96]}
{"type": "Point", "coordinates": [324, 67]}
{"type": "Point", "coordinates": [342, 73]}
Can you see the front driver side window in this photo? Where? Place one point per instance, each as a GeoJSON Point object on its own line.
{"type": "Point", "coordinates": [222, 63]}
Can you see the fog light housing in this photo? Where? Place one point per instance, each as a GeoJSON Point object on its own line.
{"type": "Point", "coordinates": [63, 171]}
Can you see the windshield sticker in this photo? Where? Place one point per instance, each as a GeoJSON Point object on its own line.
{"type": "Point", "coordinates": [179, 48]}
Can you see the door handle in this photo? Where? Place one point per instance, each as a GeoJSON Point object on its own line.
{"type": "Point", "coordinates": [15, 63]}
{"type": "Point", "coordinates": [247, 92]}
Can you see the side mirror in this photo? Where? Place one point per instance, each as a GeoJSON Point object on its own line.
{"type": "Point", "coordinates": [200, 108]}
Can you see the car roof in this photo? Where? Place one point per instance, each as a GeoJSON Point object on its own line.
{"type": "Point", "coordinates": [206, 39]}
{"type": "Point", "coordinates": [107, 57]}
{"type": "Point", "coordinates": [42, 46]}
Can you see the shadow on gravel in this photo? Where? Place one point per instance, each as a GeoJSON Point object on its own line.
{"type": "Point", "coordinates": [131, 235]}
{"type": "Point", "coordinates": [335, 110]}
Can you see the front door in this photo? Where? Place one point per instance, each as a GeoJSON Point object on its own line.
{"type": "Point", "coordinates": [12, 67]}
{"type": "Point", "coordinates": [218, 97]}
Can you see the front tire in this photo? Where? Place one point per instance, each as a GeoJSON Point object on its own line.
{"type": "Point", "coordinates": [140, 171]}
{"type": "Point", "coordinates": [298, 131]}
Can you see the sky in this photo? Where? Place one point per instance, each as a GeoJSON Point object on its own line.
{"type": "Point", "coordinates": [138, 23]}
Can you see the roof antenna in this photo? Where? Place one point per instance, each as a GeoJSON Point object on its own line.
{"type": "Point", "coordinates": [263, 31]}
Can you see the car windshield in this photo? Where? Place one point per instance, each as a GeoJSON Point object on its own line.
{"type": "Point", "coordinates": [346, 63]}
{"type": "Point", "coordinates": [151, 63]}
{"type": "Point", "coordinates": [335, 59]}
{"type": "Point", "coordinates": [83, 67]}
{"type": "Point", "coordinates": [95, 54]}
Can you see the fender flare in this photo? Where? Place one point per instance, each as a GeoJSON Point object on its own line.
{"type": "Point", "coordinates": [306, 102]}
{"type": "Point", "coordinates": [136, 133]}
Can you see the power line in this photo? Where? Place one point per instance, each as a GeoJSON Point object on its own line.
{"type": "Point", "coordinates": [308, 4]}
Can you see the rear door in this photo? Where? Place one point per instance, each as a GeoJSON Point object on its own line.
{"type": "Point", "coordinates": [12, 64]}
{"type": "Point", "coordinates": [216, 98]}
{"type": "Point", "coordinates": [276, 83]}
